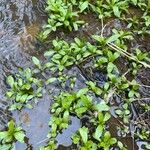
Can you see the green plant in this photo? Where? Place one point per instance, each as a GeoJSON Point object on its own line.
{"type": "Point", "coordinates": [106, 60]}
{"type": "Point", "coordinates": [51, 146]}
{"type": "Point", "coordinates": [110, 8]}
{"type": "Point", "coordinates": [11, 135]}
{"type": "Point", "coordinates": [143, 134]}
{"type": "Point", "coordinates": [63, 55]}
{"type": "Point", "coordinates": [58, 123]}
{"type": "Point", "coordinates": [76, 103]}
{"type": "Point", "coordinates": [100, 123]}
{"type": "Point", "coordinates": [107, 141]}
{"type": "Point", "coordinates": [67, 104]}
{"type": "Point", "coordinates": [132, 22]}
{"type": "Point", "coordinates": [60, 56]}
{"type": "Point", "coordinates": [82, 137]}
{"type": "Point", "coordinates": [124, 113]}
{"type": "Point", "coordinates": [123, 131]}
{"type": "Point", "coordinates": [140, 55]}
{"type": "Point", "coordinates": [136, 68]}
{"type": "Point", "coordinates": [83, 5]}
{"type": "Point", "coordinates": [119, 36]}
{"type": "Point", "coordinates": [61, 14]}
{"type": "Point", "coordinates": [94, 88]}
{"type": "Point", "coordinates": [23, 88]}
{"type": "Point", "coordinates": [103, 54]}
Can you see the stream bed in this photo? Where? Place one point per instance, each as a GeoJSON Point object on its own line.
{"type": "Point", "coordinates": [20, 21]}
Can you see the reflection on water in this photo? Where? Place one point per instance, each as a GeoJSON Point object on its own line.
{"type": "Point", "coordinates": [18, 20]}
{"type": "Point", "coordinates": [35, 122]}
{"type": "Point", "coordinates": [19, 23]}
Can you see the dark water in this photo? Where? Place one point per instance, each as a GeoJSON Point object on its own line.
{"type": "Point", "coordinates": [20, 21]}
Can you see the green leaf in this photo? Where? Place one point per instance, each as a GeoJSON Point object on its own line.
{"type": "Point", "coordinates": [75, 139]}
{"type": "Point", "coordinates": [113, 38]}
{"type": "Point", "coordinates": [147, 146]}
{"type": "Point", "coordinates": [28, 73]}
{"type": "Point", "coordinates": [64, 59]}
{"type": "Point", "coordinates": [19, 136]}
{"type": "Point", "coordinates": [26, 86]}
{"type": "Point", "coordinates": [80, 111]}
{"type": "Point", "coordinates": [98, 132]}
{"type": "Point", "coordinates": [36, 61]}
{"type": "Point", "coordinates": [11, 126]}
{"type": "Point", "coordinates": [30, 97]}
{"type": "Point", "coordinates": [103, 60]}
{"type": "Point", "coordinates": [134, 2]}
{"type": "Point", "coordinates": [116, 11]}
{"type": "Point", "coordinates": [6, 147]}
{"type": "Point", "coordinates": [113, 141]}
{"type": "Point", "coordinates": [13, 107]}
{"type": "Point", "coordinates": [102, 106]}
{"type": "Point", "coordinates": [97, 90]}
{"type": "Point", "coordinates": [131, 93]}
{"type": "Point", "coordinates": [78, 41]}
{"type": "Point", "coordinates": [18, 96]}
{"type": "Point", "coordinates": [23, 98]}
{"type": "Point", "coordinates": [116, 55]}
{"type": "Point", "coordinates": [75, 26]}
{"type": "Point", "coordinates": [3, 134]}
{"type": "Point", "coordinates": [120, 145]}
{"type": "Point", "coordinates": [20, 82]}
{"type": "Point", "coordinates": [106, 86]}
{"type": "Point", "coordinates": [29, 106]}
{"type": "Point", "coordinates": [48, 53]}
{"type": "Point", "coordinates": [118, 112]}
{"type": "Point", "coordinates": [110, 67]}
{"type": "Point", "coordinates": [10, 81]}
{"type": "Point", "coordinates": [124, 86]}
{"type": "Point", "coordinates": [51, 80]}
{"type": "Point", "coordinates": [83, 5]}
{"type": "Point", "coordinates": [66, 116]}
{"type": "Point", "coordinates": [107, 117]}
{"type": "Point", "coordinates": [84, 134]}
{"type": "Point", "coordinates": [57, 56]}
{"type": "Point", "coordinates": [107, 136]}
{"type": "Point", "coordinates": [82, 92]}
{"type": "Point", "coordinates": [48, 65]}
{"type": "Point", "coordinates": [9, 94]}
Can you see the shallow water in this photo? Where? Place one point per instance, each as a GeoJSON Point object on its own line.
{"type": "Point", "coordinates": [20, 21]}
{"type": "Point", "coordinates": [16, 20]}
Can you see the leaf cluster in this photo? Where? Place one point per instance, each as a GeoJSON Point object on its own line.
{"type": "Point", "coordinates": [24, 87]}
{"type": "Point", "coordinates": [11, 135]}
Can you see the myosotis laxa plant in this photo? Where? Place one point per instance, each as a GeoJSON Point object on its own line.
{"type": "Point", "coordinates": [80, 103]}
{"type": "Point", "coordinates": [105, 52]}
{"type": "Point", "coordinates": [62, 14]}
{"type": "Point", "coordinates": [12, 134]}
{"type": "Point", "coordinates": [24, 87]}
{"type": "Point", "coordinates": [61, 110]}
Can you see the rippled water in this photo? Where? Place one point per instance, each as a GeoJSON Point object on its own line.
{"type": "Point", "coordinates": [19, 23]}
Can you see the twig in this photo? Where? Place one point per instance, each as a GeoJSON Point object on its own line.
{"type": "Point", "coordinates": [42, 141]}
{"type": "Point", "coordinates": [120, 50]}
